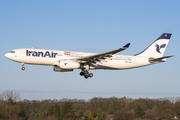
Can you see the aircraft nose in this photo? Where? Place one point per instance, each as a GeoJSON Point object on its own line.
{"type": "Point", "coordinates": [6, 55]}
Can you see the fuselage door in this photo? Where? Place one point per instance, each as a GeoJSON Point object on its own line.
{"type": "Point", "coordinates": [22, 53]}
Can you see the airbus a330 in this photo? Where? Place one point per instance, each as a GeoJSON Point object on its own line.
{"type": "Point", "coordinates": [65, 61]}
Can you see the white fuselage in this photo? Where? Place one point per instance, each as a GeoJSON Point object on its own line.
{"type": "Point", "coordinates": [52, 57]}
{"type": "Point", "coordinates": [65, 61]}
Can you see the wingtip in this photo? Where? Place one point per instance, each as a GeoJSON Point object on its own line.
{"type": "Point", "coordinates": [127, 45]}
{"type": "Point", "coordinates": [169, 56]}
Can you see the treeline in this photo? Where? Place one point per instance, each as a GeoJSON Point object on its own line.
{"type": "Point", "coordinates": [98, 108]}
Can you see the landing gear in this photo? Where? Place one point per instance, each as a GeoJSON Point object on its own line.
{"type": "Point", "coordinates": [85, 71]}
{"type": "Point", "coordinates": [86, 74]}
{"type": "Point", "coordinates": [81, 73]}
{"type": "Point", "coordinates": [90, 75]}
{"type": "Point", "coordinates": [23, 68]}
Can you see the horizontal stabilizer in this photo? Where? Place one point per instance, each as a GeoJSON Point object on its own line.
{"type": "Point", "coordinates": [155, 60]}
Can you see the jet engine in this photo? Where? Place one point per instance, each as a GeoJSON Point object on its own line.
{"type": "Point", "coordinates": [58, 69]}
{"type": "Point", "coordinates": [69, 65]}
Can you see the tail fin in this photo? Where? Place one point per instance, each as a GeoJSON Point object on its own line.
{"type": "Point", "coordinates": [158, 47]}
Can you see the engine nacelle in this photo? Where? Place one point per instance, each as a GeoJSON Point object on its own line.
{"type": "Point", "coordinates": [58, 69]}
{"type": "Point", "coordinates": [69, 65]}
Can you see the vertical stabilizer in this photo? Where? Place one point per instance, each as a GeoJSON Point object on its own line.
{"type": "Point", "coordinates": [158, 47]}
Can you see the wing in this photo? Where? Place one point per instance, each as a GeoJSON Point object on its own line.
{"type": "Point", "coordinates": [93, 59]}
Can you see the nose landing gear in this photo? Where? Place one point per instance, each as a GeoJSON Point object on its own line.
{"type": "Point", "coordinates": [23, 68]}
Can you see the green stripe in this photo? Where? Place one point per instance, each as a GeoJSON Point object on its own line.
{"type": "Point", "coordinates": [66, 52]}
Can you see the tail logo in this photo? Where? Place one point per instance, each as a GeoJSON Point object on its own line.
{"type": "Point", "coordinates": [158, 48]}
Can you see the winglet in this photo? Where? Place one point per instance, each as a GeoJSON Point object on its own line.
{"type": "Point", "coordinates": [127, 45]}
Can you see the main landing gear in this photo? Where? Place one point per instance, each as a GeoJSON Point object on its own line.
{"type": "Point", "coordinates": [86, 74]}
{"type": "Point", "coordinates": [23, 68]}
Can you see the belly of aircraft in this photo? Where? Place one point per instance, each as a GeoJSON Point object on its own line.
{"type": "Point", "coordinates": [118, 65]}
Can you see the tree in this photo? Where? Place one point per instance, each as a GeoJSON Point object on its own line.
{"type": "Point", "coordinates": [66, 108]}
{"type": "Point", "coordinates": [69, 116]}
{"type": "Point", "coordinates": [54, 110]}
{"type": "Point", "coordinates": [11, 109]}
{"type": "Point", "coordinates": [32, 115]}
{"type": "Point", "coordinates": [86, 118]}
{"type": "Point", "coordinates": [177, 108]}
{"type": "Point", "coordinates": [122, 115]}
{"type": "Point", "coordinates": [50, 111]}
{"type": "Point", "coordinates": [90, 117]}
{"type": "Point", "coordinates": [111, 110]}
{"type": "Point", "coordinates": [99, 116]}
{"type": "Point", "coordinates": [10, 96]}
{"type": "Point", "coordinates": [93, 105]}
{"type": "Point", "coordinates": [139, 111]}
{"type": "Point", "coordinates": [1, 115]}
{"type": "Point", "coordinates": [80, 114]}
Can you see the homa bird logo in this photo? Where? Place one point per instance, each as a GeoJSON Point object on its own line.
{"type": "Point", "coordinates": [158, 48]}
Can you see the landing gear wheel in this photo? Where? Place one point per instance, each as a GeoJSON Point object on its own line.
{"type": "Point", "coordinates": [23, 68]}
{"type": "Point", "coordinates": [90, 75]}
{"type": "Point", "coordinates": [86, 76]}
{"type": "Point", "coordinates": [85, 72]}
{"type": "Point", "coordinates": [81, 73]}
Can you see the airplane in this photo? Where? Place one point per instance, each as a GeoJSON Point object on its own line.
{"type": "Point", "coordinates": [65, 61]}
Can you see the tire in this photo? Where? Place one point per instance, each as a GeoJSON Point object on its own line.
{"type": "Point", "coordinates": [90, 75]}
{"type": "Point", "coordinates": [81, 73]}
{"type": "Point", "coordinates": [23, 68]}
{"type": "Point", "coordinates": [86, 76]}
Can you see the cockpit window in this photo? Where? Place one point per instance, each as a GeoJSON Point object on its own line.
{"type": "Point", "coordinates": [12, 52]}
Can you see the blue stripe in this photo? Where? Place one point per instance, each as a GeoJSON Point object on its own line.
{"type": "Point", "coordinates": [165, 36]}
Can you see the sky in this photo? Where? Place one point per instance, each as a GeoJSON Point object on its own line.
{"type": "Point", "coordinates": [89, 26]}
